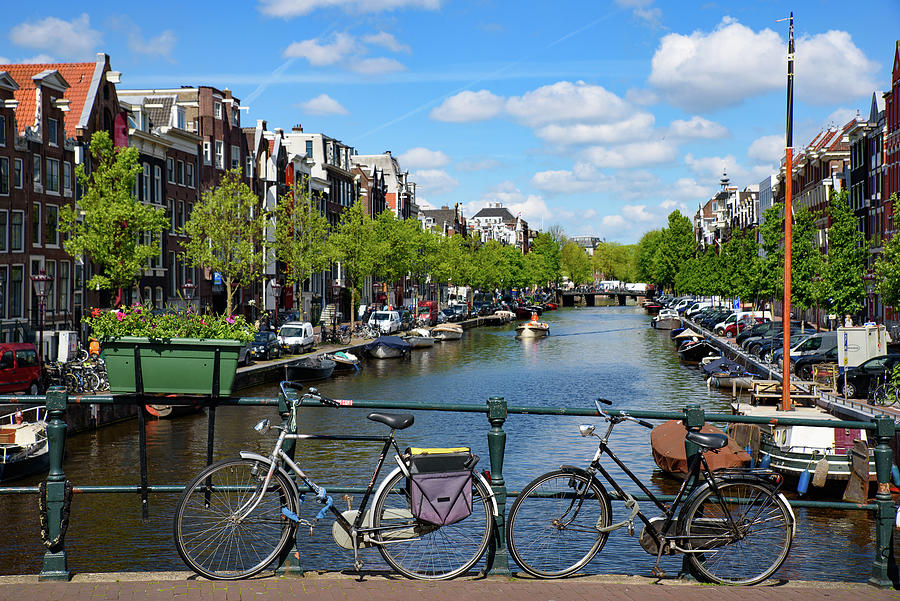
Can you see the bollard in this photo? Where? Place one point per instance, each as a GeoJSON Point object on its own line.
{"type": "Point", "coordinates": [694, 418]}
{"type": "Point", "coordinates": [497, 563]}
{"type": "Point", "coordinates": [884, 566]}
{"type": "Point", "coordinates": [289, 564]}
{"type": "Point", "coordinates": [53, 526]}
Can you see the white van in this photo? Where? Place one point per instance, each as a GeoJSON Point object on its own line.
{"type": "Point", "coordinates": [386, 322]}
{"type": "Point", "coordinates": [737, 316]}
{"type": "Point", "coordinates": [296, 337]}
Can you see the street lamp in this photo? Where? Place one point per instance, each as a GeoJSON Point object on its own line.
{"type": "Point", "coordinates": [869, 279]}
{"type": "Point", "coordinates": [335, 294]}
{"type": "Point", "coordinates": [276, 289]}
{"type": "Point", "coordinates": [188, 289]}
{"type": "Point", "coordinates": [42, 284]}
{"type": "Point", "coordinates": [375, 289]}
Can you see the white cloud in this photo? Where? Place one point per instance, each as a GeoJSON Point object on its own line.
{"type": "Point", "coordinates": [705, 71]}
{"type": "Point", "coordinates": [642, 10]}
{"type": "Point", "coordinates": [687, 188]}
{"type": "Point", "coordinates": [642, 97]}
{"type": "Point", "coordinates": [323, 104]}
{"type": "Point", "coordinates": [634, 127]}
{"type": "Point", "coordinates": [637, 213]}
{"type": "Point", "coordinates": [668, 204]}
{"type": "Point", "coordinates": [38, 59]}
{"type": "Point", "coordinates": [423, 158]}
{"type": "Point", "coordinates": [434, 181]}
{"type": "Point", "coordinates": [375, 66]}
{"type": "Point", "coordinates": [481, 165]}
{"type": "Point", "coordinates": [68, 39]}
{"type": "Point", "coordinates": [697, 128]}
{"type": "Point", "coordinates": [767, 149]}
{"type": "Point", "coordinates": [162, 45]}
{"type": "Point", "coordinates": [567, 101]}
{"type": "Point", "coordinates": [712, 168]}
{"type": "Point", "coordinates": [320, 54]}
{"type": "Point", "coordinates": [614, 221]}
{"type": "Point", "coordinates": [569, 182]}
{"type": "Point", "coordinates": [386, 40]}
{"type": "Point", "coordinates": [295, 8]}
{"type": "Point", "coordinates": [638, 154]}
{"type": "Point", "coordinates": [4, 61]}
{"type": "Point", "coordinates": [468, 106]}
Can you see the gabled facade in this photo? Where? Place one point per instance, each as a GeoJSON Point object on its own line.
{"type": "Point", "coordinates": [400, 194]}
{"type": "Point", "coordinates": [495, 222]}
{"type": "Point", "coordinates": [445, 220]}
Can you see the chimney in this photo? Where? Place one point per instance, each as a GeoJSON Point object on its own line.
{"type": "Point", "coordinates": [297, 128]}
{"type": "Point", "coordinates": [279, 131]}
{"type": "Point", "coordinates": [387, 152]}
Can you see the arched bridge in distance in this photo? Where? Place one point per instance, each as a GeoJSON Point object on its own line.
{"type": "Point", "coordinates": [570, 298]}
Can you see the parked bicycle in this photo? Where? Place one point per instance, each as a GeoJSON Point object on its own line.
{"type": "Point", "coordinates": [734, 525]}
{"type": "Point", "coordinates": [883, 392]}
{"type": "Point", "coordinates": [238, 516]}
{"type": "Point", "coordinates": [340, 335]}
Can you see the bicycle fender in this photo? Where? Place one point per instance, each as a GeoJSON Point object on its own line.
{"type": "Point", "coordinates": [737, 478]}
{"type": "Point", "coordinates": [262, 459]}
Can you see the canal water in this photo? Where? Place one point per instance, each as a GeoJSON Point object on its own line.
{"type": "Point", "coordinates": [597, 351]}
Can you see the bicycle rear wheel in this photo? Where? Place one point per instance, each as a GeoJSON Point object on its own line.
{"type": "Point", "coordinates": [553, 526]}
{"type": "Point", "coordinates": [745, 532]}
{"type": "Point", "coordinates": [424, 551]}
{"type": "Point", "coordinates": [210, 538]}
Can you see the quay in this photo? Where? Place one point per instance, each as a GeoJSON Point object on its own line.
{"type": "Point", "coordinates": [328, 586]}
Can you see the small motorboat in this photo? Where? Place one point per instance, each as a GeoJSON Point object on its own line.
{"type": "Point", "coordinates": [419, 338]}
{"type": "Point", "coordinates": [23, 443]}
{"type": "Point", "coordinates": [668, 319]}
{"type": "Point", "coordinates": [652, 307]}
{"type": "Point", "coordinates": [307, 369]}
{"type": "Point", "coordinates": [447, 331]}
{"type": "Point", "coordinates": [388, 347]}
{"type": "Point", "coordinates": [667, 445]}
{"type": "Point", "coordinates": [722, 372]}
{"type": "Point", "coordinates": [532, 328]}
{"type": "Point", "coordinates": [695, 350]}
{"type": "Point", "coordinates": [343, 361]}
{"type": "Point", "coordinates": [505, 316]}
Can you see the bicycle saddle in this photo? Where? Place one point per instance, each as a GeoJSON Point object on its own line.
{"type": "Point", "coordinates": [397, 421]}
{"type": "Point", "coordinates": [708, 440]}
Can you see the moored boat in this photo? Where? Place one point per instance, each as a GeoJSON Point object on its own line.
{"type": "Point", "coordinates": [695, 350]}
{"type": "Point", "coordinates": [419, 338]}
{"type": "Point", "coordinates": [343, 361]}
{"type": "Point", "coordinates": [532, 328]}
{"type": "Point", "coordinates": [447, 331]}
{"type": "Point", "coordinates": [307, 369]}
{"type": "Point", "coordinates": [23, 443]}
{"type": "Point", "coordinates": [723, 372]}
{"type": "Point", "coordinates": [667, 446]}
{"type": "Point", "coordinates": [668, 319]}
{"type": "Point", "coordinates": [388, 347]}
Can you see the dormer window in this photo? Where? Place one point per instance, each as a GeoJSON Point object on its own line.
{"type": "Point", "coordinates": [179, 118]}
{"type": "Point", "coordinates": [217, 110]}
{"type": "Point", "coordinates": [52, 132]}
{"type": "Point", "coordinates": [235, 115]}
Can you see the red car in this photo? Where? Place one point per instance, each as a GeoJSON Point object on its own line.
{"type": "Point", "coordinates": [736, 328]}
{"type": "Point", "coordinates": [20, 369]}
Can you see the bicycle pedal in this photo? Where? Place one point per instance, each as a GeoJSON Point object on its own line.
{"type": "Point", "coordinates": [658, 572]}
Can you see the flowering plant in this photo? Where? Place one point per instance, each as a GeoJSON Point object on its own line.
{"type": "Point", "coordinates": [146, 322]}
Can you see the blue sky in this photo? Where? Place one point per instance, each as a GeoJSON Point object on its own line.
{"type": "Point", "coordinates": [601, 117]}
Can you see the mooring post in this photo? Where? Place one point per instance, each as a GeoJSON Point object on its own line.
{"type": "Point", "coordinates": [884, 565]}
{"type": "Point", "coordinates": [289, 564]}
{"type": "Point", "coordinates": [55, 497]}
{"type": "Point", "coordinates": [497, 563]}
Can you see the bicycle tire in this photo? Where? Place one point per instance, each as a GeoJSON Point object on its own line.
{"type": "Point", "coordinates": [91, 381]}
{"type": "Point", "coordinates": [534, 537]}
{"type": "Point", "coordinates": [765, 527]}
{"type": "Point", "coordinates": [424, 551]}
{"type": "Point", "coordinates": [209, 540]}
{"type": "Point", "coordinates": [72, 383]}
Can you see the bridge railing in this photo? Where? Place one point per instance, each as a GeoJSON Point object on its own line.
{"type": "Point", "coordinates": [56, 491]}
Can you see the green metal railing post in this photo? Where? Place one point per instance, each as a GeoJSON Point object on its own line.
{"type": "Point", "coordinates": [290, 563]}
{"type": "Point", "coordinates": [694, 419]}
{"type": "Point", "coordinates": [498, 558]}
{"type": "Point", "coordinates": [884, 566]}
{"type": "Point", "coordinates": [55, 507]}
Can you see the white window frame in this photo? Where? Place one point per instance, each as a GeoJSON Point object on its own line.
{"type": "Point", "coordinates": [207, 153]}
{"type": "Point", "coordinates": [54, 242]}
{"type": "Point", "coordinates": [21, 296]}
{"type": "Point", "coordinates": [235, 115]}
{"type": "Point", "coordinates": [157, 185]}
{"type": "Point", "coordinates": [21, 247]}
{"type": "Point", "coordinates": [235, 157]}
{"type": "Point", "coordinates": [3, 130]}
{"type": "Point", "coordinates": [179, 173]}
{"type": "Point", "coordinates": [189, 175]}
{"type": "Point", "coordinates": [18, 173]}
{"type": "Point", "coordinates": [171, 205]}
{"type": "Point", "coordinates": [4, 230]}
{"type": "Point", "coordinates": [36, 215]}
{"type": "Point", "coordinates": [5, 177]}
{"type": "Point", "coordinates": [170, 170]}
{"type": "Point", "coordinates": [145, 185]}
{"type": "Point", "coordinates": [180, 216]}
{"type": "Point", "coordinates": [67, 178]}
{"type": "Point", "coordinates": [37, 162]}
{"type": "Point", "coordinates": [64, 290]}
{"type": "Point", "coordinates": [50, 270]}
{"type": "Point", "coordinates": [220, 154]}
{"type": "Point", "coordinates": [53, 132]}
{"type": "Point", "coordinates": [249, 168]}
{"type": "Point", "coordinates": [217, 110]}
{"type": "Point", "coordinates": [52, 176]}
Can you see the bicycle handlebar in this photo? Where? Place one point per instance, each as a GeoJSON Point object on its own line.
{"type": "Point", "coordinates": [312, 394]}
{"type": "Point", "coordinates": [621, 416]}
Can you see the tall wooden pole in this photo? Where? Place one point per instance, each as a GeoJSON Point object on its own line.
{"type": "Point", "coordinates": [788, 219]}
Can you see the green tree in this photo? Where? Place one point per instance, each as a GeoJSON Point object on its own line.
{"type": "Point", "coordinates": [225, 233]}
{"type": "Point", "coordinates": [614, 261]}
{"type": "Point", "coordinates": [845, 261]}
{"type": "Point", "coordinates": [300, 234]}
{"type": "Point", "coordinates": [675, 248]}
{"type": "Point", "coordinates": [887, 266]}
{"type": "Point", "coordinates": [772, 263]}
{"type": "Point", "coordinates": [353, 244]}
{"type": "Point", "coordinates": [575, 264]}
{"type": "Point", "coordinates": [109, 225]}
{"type": "Point", "coordinates": [806, 261]}
{"type": "Point", "coordinates": [645, 255]}
{"type": "Point", "coordinates": [550, 248]}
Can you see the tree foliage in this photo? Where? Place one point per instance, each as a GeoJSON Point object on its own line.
{"type": "Point", "coordinates": [575, 264]}
{"type": "Point", "coordinates": [675, 248]}
{"type": "Point", "coordinates": [109, 226]}
{"type": "Point", "coordinates": [353, 244]}
{"type": "Point", "coordinates": [845, 261]}
{"type": "Point", "coordinates": [887, 266]}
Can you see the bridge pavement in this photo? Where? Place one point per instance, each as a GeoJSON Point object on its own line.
{"type": "Point", "coordinates": [331, 586]}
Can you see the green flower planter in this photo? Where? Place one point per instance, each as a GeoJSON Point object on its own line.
{"type": "Point", "coordinates": [174, 366]}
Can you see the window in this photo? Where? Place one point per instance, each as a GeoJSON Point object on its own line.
{"type": "Point", "coordinates": [2, 130]}
{"type": "Point", "coordinates": [4, 281]}
{"type": "Point", "coordinates": [190, 175]}
{"type": "Point", "coordinates": [53, 132]}
{"type": "Point", "coordinates": [179, 175]}
{"type": "Point", "coordinates": [65, 269]}
{"type": "Point", "coordinates": [146, 183]}
{"type": "Point", "coordinates": [35, 224]}
{"type": "Point", "coordinates": [179, 117]}
{"type": "Point", "coordinates": [4, 231]}
{"type": "Point", "coordinates": [158, 301]}
{"type": "Point", "coordinates": [52, 225]}
{"type": "Point", "coordinates": [4, 176]}
{"type": "Point", "coordinates": [207, 157]}
{"type": "Point", "coordinates": [249, 168]}
{"type": "Point", "coordinates": [217, 110]}
{"type": "Point", "coordinates": [17, 173]}
{"type": "Point", "coordinates": [53, 176]}
{"type": "Point", "coordinates": [50, 270]}
{"type": "Point", "coordinates": [171, 216]}
{"type": "Point", "coordinates": [17, 232]}
{"type": "Point", "coordinates": [16, 289]}
{"type": "Point", "coordinates": [67, 178]}
{"type": "Point", "coordinates": [170, 170]}
{"type": "Point", "coordinates": [309, 149]}
{"type": "Point", "coordinates": [37, 172]}
{"type": "Point", "coordinates": [235, 157]}
{"type": "Point", "coordinates": [173, 286]}
{"type": "Point", "coordinates": [157, 184]}
{"type": "Point", "coordinates": [235, 115]}
{"type": "Point", "coordinates": [180, 215]}
{"type": "Point", "coordinates": [220, 154]}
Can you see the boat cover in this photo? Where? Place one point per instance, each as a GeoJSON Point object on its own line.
{"type": "Point", "coordinates": [667, 445]}
{"type": "Point", "coordinates": [389, 341]}
{"type": "Point", "coordinates": [723, 365]}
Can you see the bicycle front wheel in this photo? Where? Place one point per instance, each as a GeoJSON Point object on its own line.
{"type": "Point", "coordinates": [745, 532]}
{"type": "Point", "coordinates": [554, 525]}
{"type": "Point", "coordinates": [424, 551]}
{"type": "Point", "coordinates": [212, 534]}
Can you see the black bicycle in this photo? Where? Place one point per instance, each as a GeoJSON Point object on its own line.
{"type": "Point", "coordinates": [734, 526]}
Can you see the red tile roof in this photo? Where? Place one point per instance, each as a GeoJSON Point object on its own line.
{"type": "Point", "coordinates": [79, 76]}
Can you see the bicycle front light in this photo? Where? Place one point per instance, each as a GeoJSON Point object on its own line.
{"type": "Point", "coordinates": [586, 429]}
{"type": "Point", "coordinates": [263, 426]}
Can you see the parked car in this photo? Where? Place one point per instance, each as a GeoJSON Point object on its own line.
{"type": "Point", "coordinates": [265, 346]}
{"type": "Point", "coordinates": [757, 331]}
{"type": "Point", "coordinates": [816, 343]}
{"type": "Point", "coordinates": [386, 322]}
{"type": "Point", "coordinates": [735, 328]}
{"type": "Point", "coordinates": [774, 345]}
{"type": "Point", "coordinates": [444, 315]}
{"type": "Point", "coordinates": [737, 316]}
{"type": "Point", "coordinates": [296, 337]}
{"type": "Point", "coordinates": [20, 369]}
{"type": "Point", "coordinates": [864, 376]}
{"type": "Point", "coordinates": [245, 355]}
{"type": "Point", "coordinates": [406, 319]}
{"type": "Point", "coordinates": [804, 366]}
{"type": "Point", "coordinates": [461, 310]}
{"type": "Point", "coordinates": [428, 312]}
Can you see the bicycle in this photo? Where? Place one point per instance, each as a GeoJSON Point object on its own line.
{"type": "Point", "coordinates": [735, 526]}
{"type": "Point", "coordinates": [238, 516]}
{"type": "Point", "coordinates": [884, 392]}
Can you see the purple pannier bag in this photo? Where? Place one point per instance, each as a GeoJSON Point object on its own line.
{"type": "Point", "coordinates": [441, 487]}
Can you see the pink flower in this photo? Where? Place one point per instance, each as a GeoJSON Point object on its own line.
{"type": "Point", "coordinates": [229, 319]}
{"type": "Point", "coordinates": [120, 316]}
